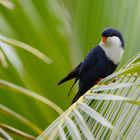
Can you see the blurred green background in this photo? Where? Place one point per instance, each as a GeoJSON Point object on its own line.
{"type": "Point", "coordinates": [64, 30]}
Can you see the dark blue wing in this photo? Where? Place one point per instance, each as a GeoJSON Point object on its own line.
{"type": "Point", "coordinates": [89, 61]}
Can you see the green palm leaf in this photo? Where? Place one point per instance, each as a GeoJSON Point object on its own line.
{"type": "Point", "coordinates": [7, 4]}
{"type": "Point", "coordinates": [66, 31]}
{"type": "Point", "coordinates": [13, 114]}
{"type": "Point", "coordinates": [17, 89]}
{"type": "Point", "coordinates": [5, 135]}
{"type": "Point", "coordinates": [17, 131]}
{"type": "Point", "coordinates": [112, 102]}
{"type": "Point", "coordinates": [26, 47]}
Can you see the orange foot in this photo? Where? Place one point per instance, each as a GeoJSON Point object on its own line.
{"type": "Point", "coordinates": [98, 80]}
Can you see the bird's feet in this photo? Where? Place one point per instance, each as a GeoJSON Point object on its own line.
{"type": "Point", "coordinates": [98, 80]}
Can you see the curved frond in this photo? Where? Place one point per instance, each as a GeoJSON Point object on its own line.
{"type": "Point", "coordinates": [17, 89]}
{"type": "Point", "coordinates": [3, 60]}
{"type": "Point", "coordinates": [26, 47]}
{"type": "Point", "coordinates": [17, 131]}
{"type": "Point", "coordinates": [15, 115]}
{"type": "Point", "coordinates": [109, 110]}
{"type": "Point", "coordinates": [7, 3]}
{"type": "Point", "coordinates": [4, 135]}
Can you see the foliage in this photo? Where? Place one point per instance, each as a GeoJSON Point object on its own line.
{"type": "Point", "coordinates": [60, 33]}
{"type": "Point", "coordinates": [109, 110]}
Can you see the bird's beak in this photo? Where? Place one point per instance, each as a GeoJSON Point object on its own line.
{"type": "Point", "coordinates": [104, 38]}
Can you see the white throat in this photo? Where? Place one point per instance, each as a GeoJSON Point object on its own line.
{"type": "Point", "coordinates": [113, 49]}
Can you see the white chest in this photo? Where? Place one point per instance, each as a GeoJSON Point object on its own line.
{"type": "Point", "coordinates": [113, 49]}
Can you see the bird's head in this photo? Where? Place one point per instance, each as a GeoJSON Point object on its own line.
{"type": "Point", "coordinates": [111, 36]}
{"type": "Point", "coordinates": [112, 44]}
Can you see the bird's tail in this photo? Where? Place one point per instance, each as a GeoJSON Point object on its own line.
{"type": "Point", "coordinates": [63, 80]}
{"type": "Point", "coordinates": [78, 95]}
{"type": "Point", "coordinates": [75, 98]}
{"type": "Point", "coordinates": [81, 91]}
{"type": "Point", "coordinates": [72, 86]}
{"type": "Point", "coordinates": [73, 74]}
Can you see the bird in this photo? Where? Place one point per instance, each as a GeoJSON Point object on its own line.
{"type": "Point", "coordinates": [99, 63]}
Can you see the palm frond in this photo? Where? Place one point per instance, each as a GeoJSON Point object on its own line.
{"type": "Point", "coordinates": [7, 3]}
{"type": "Point", "coordinates": [17, 89]}
{"type": "Point", "coordinates": [3, 60]}
{"type": "Point", "coordinates": [111, 97]}
{"type": "Point", "coordinates": [24, 46]}
{"type": "Point", "coordinates": [5, 135]}
{"type": "Point", "coordinates": [117, 104]}
{"type": "Point", "coordinates": [16, 131]}
{"type": "Point", "coordinates": [66, 31]}
{"type": "Point", "coordinates": [17, 116]}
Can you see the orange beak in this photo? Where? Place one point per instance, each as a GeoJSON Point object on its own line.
{"type": "Point", "coordinates": [104, 38]}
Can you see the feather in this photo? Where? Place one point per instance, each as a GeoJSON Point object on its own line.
{"type": "Point", "coordinates": [71, 75]}
{"type": "Point", "coordinates": [72, 86]}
